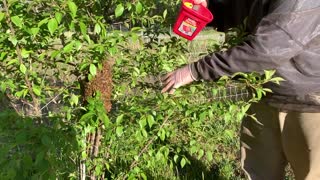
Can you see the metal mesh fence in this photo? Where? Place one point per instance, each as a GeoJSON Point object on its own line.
{"type": "Point", "coordinates": [200, 46]}
{"type": "Point", "coordinates": [205, 40]}
{"type": "Point", "coordinates": [232, 92]}
{"type": "Point", "coordinates": [206, 91]}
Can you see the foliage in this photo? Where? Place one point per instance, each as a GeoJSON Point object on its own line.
{"type": "Point", "coordinates": [36, 151]}
{"type": "Point", "coordinates": [50, 48]}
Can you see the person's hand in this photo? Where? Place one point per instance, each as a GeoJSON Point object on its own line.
{"type": "Point", "coordinates": [202, 2]}
{"type": "Point", "coordinates": [176, 79]}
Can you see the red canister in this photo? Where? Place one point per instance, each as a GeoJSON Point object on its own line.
{"type": "Point", "coordinates": [192, 19]}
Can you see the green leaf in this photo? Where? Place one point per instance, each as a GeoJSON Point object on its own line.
{"type": "Point", "coordinates": [11, 173]}
{"type": "Point", "coordinates": [119, 131]}
{"type": "Point", "coordinates": [143, 122]}
{"type": "Point", "coordinates": [144, 133]}
{"type": "Point", "coordinates": [84, 155]}
{"type": "Point", "coordinates": [112, 50]}
{"type": "Point", "coordinates": [83, 28]}
{"type": "Point", "coordinates": [68, 48]}
{"type": "Point", "coordinates": [119, 119]}
{"type": "Point", "coordinates": [21, 93]}
{"type": "Point", "coordinates": [245, 108]}
{"type": "Point", "coordinates": [129, 6]}
{"type": "Point", "coordinates": [23, 68]}
{"type": "Point", "coordinates": [34, 31]}
{"type": "Point", "coordinates": [277, 80]}
{"type": "Point", "coordinates": [134, 37]}
{"type": "Point", "coordinates": [183, 162]}
{"type": "Point", "coordinates": [42, 22]}
{"type": "Point", "coordinates": [72, 26]}
{"type": "Point", "coordinates": [3, 55]}
{"type": "Point", "coordinates": [163, 49]}
{"type": "Point", "coordinates": [200, 154]}
{"type": "Point", "coordinates": [54, 54]}
{"type": "Point", "coordinates": [165, 12]}
{"type": "Point", "coordinates": [46, 140]}
{"type": "Point", "coordinates": [97, 28]}
{"type": "Point", "coordinates": [90, 77]}
{"type": "Point", "coordinates": [27, 161]}
{"type": "Point", "coordinates": [267, 90]}
{"type": "Point", "coordinates": [150, 120]}
{"type": "Point", "coordinates": [269, 74]}
{"type": "Point", "coordinates": [259, 93]}
{"type": "Point", "coordinates": [162, 134]}
{"type": "Point", "coordinates": [209, 156]}
{"type": "Point", "coordinates": [144, 176]}
{"type": "Point", "coordinates": [93, 69]}
{"type": "Point", "coordinates": [52, 25]}
{"type": "Point", "coordinates": [25, 53]}
{"type": "Point", "coordinates": [13, 40]}
{"type": "Point", "coordinates": [36, 90]}
{"type": "Point", "coordinates": [193, 149]}
{"type": "Point", "coordinates": [175, 158]}
{"type": "Point", "coordinates": [74, 100]}
{"type": "Point", "coordinates": [105, 120]}
{"type": "Point", "coordinates": [240, 74]}
{"type": "Point", "coordinates": [87, 116]}
{"type": "Point", "coordinates": [78, 45]}
{"type": "Point", "coordinates": [13, 61]}
{"type": "Point", "coordinates": [87, 38]}
{"type": "Point", "coordinates": [136, 29]}
{"type": "Point", "coordinates": [139, 8]}
{"type": "Point", "coordinates": [119, 10]}
{"type": "Point", "coordinates": [17, 21]}
{"type": "Point", "coordinates": [1, 16]}
{"type": "Point", "coordinates": [21, 137]}
{"type": "Point", "coordinates": [58, 17]}
{"type": "Point", "coordinates": [73, 9]}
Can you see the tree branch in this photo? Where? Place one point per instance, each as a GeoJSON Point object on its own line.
{"type": "Point", "coordinates": [145, 148]}
{"type": "Point", "coordinates": [35, 101]}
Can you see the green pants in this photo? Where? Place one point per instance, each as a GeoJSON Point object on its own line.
{"type": "Point", "coordinates": [278, 138]}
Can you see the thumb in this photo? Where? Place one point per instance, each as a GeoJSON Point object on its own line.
{"type": "Point", "coordinates": [202, 2]}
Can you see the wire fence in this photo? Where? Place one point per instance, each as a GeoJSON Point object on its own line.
{"type": "Point", "coordinates": [201, 45]}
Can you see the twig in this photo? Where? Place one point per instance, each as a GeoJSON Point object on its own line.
{"type": "Point", "coordinates": [53, 99]}
{"type": "Point", "coordinates": [97, 142]}
{"type": "Point", "coordinates": [35, 101]}
{"type": "Point", "coordinates": [145, 148]}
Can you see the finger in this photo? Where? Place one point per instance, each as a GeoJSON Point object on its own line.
{"type": "Point", "coordinates": [168, 87]}
{"type": "Point", "coordinates": [172, 91]}
{"type": "Point", "coordinates": [202, 2]}
{"type": "Point", "coordinates": [169, 79]}
{"type": "Point", "coordinates": [163, 78]}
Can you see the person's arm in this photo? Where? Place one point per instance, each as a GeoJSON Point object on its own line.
{"type": "Point", "coordinates": [268, 48]}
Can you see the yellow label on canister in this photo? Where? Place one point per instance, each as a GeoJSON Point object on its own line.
{"type": "Point", "coordinates": [188, 5]}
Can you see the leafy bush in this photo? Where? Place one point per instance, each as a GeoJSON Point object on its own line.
{"type": "Point", "coordinates": [59, 123]}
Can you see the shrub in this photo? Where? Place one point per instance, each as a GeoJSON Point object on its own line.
{"type": "Point", "coordinates": [56, 63]}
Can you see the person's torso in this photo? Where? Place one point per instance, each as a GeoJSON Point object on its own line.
{"type": "Point", "coordinates": [300, 19]}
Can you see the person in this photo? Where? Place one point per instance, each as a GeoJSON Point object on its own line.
{"type": "Point", "coordinates": [284, 36]}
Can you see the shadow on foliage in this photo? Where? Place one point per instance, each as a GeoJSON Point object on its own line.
{"type": "Point", "coordinates": [30, 149]}
{"type": "Point", "coordinates": [197, 170]}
